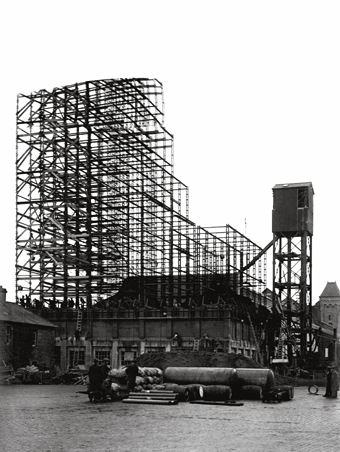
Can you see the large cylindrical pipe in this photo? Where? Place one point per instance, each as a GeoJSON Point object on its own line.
{"type": "Point", "coordinates": [201, 375]}
{"type": "Point", "coordinates": [249, 392]}
{"type": "Point", "coordinates": [216, 392]}
{"type": "Point", "coordinates": [182, 391]}
{"type": "Point", "coordinates": [256, 377]}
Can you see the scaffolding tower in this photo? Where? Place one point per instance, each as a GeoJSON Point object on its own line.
{"type": "Point", "coordinates": [98, 204]}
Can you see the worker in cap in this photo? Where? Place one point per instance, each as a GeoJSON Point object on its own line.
{"type": "Point", "coordinates": [105, 368]}
{"type": "Point", "coordinates": [95, 377]}
{"type": "Point", "coordinates": [131, 371]}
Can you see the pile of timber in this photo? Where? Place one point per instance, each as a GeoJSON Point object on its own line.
{"type": "Point", "coordinates": [153, 397]}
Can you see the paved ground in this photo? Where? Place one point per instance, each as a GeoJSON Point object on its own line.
{"type": "Point", "coordinates": [56, 419]}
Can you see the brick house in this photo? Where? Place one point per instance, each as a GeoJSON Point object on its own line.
{"type": "Point", "coordinates": [329, 305]}
{"type": "Point", "coordinates": [24, 336]}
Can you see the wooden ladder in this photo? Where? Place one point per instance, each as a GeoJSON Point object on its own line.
{"type": "Point", "coordinates": [255, 339]}
{"type": "Point", "coordinates": [196, 345]}
{"type": "Point", "coordinates": [79, 319]}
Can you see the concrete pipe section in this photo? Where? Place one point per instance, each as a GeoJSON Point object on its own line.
{"type": "Point", "coordinates": [255, 377]}
{"type": "Point", "coordinates": [201, 375]}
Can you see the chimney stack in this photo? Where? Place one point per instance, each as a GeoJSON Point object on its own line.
{"type": "Point", "coordinates": [3, 292]}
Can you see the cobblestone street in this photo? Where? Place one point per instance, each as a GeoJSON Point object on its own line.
{"type": "Point", "coordinates": [57, 419]}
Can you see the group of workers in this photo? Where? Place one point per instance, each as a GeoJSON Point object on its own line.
{"type": "Point", "coordinates": [205, 342]}
{"type": "Point", "coordinates": [99, 373]}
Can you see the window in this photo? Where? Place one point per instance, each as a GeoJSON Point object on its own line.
{"type": "Point", "coordinates": [154, 349]}
{"type": "Point", "coordinates": [34, 338]}
{"type": "Point", "coordinates": [76, 358]}
{"type": "Point", "coordinates": [57, 355]}
{"type": "Point", "coordinates": [9, 334]}
{"type": "Point", "coordinates": [302, 198]}
{"type": "Point", "coordinates": [101, 354]}
{"type": "Point", "coordinates": [127, 357]}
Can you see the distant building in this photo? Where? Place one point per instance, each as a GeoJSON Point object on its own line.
{"type": "Point", "coordinates": [326, 317]}
{"type": "Point", "coordinates": [329, 305]}
{"type": "Point", "coordinates": [25, 338]}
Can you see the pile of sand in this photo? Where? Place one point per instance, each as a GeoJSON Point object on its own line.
{"type": "Point", "coordinates": [183, 358]}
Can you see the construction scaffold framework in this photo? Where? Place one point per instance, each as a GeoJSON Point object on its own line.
{"type": "Point", "coordinates": [98, 204]}
{"type": "Point", "coordinates": [292, 294]}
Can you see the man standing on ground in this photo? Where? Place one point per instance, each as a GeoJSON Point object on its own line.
{"type": "Point", "coordinates": [95, 377]}
{"type": "Point", "coordinates": [334, 384]}
{"type": "Point", "coordinates": [105, 368]}
{"type": "Point", "coordinates": [131, 372]}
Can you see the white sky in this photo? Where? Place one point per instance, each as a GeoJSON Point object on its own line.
{"type": "Point", "coordinates": [252, 96]}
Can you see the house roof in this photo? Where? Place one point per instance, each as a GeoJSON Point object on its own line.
{"type": "Point", "coordinates": [11, 312]}
{"type": "Point", "coordinates": [293, 185]}
{"type": "Point", "coordinates": [331, 290]}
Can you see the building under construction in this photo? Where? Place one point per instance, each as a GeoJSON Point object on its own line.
{"type": "Point", "coordinates": [104, 242]}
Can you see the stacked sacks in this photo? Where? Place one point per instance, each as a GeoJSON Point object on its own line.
{"type": "Point", "coordinates": [152, 378]}
{"type": "Point", "coordinates": [29, 374]}
{"type": "Point", "coordinates": [148, 378]}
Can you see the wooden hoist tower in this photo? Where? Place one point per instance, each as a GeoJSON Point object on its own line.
{"type": "Point", "coordinates": [292, 227]}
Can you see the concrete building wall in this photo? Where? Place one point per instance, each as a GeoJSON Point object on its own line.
{"type": "Point", "coordinates": [122, 339]}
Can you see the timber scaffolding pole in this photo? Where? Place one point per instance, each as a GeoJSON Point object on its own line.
{"type": "Point", "coordinates": [101, 216]}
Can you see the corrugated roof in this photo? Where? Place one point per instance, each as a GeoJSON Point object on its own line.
{"type": "Point", "coordinates": [331, 290]}
{"type": "Point", "coordinates": [11, 312]}
{"type": "Point", "coordinates": [294, 184]}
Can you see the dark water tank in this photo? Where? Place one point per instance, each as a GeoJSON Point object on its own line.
{"type": "Point", "coordinates": [293, 208]}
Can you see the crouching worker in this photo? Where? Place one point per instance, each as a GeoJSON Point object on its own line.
{"type": "Point", "coordinates": [179, 340]}
{"type": "Point", "coordinates": [131, 372]}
